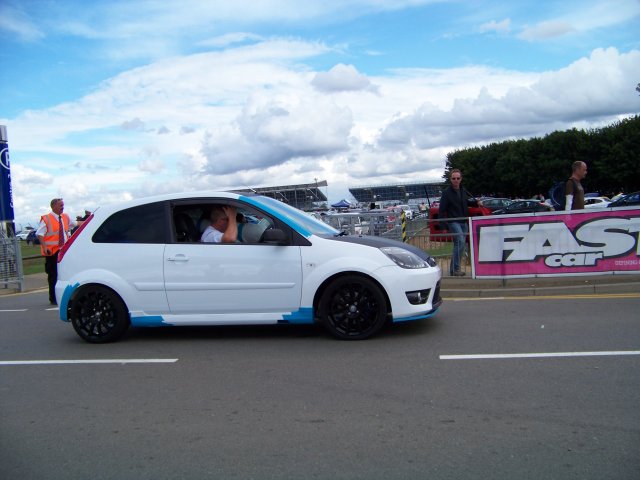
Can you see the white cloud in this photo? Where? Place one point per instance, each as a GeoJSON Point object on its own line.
{"type": "Point", "coordinates": [23, 175]}
{"type": "Point", "coordinates": [135, 124]}
{"type": "Point", "coordinates": [271, 131]}
{"type": "Point", "coordinates": [16, 22]}
{"type": "Point", "coordinates": [595, 89]}
{"type": "Point", "coordinates": [229, 39]}
{"type": "Point", "coordinates": [586, 18]}
{"type": "Point", "coordinates": [342, 78]}
{"type": "Point", "coordinates": [499, 27]}
{"type": "Point", "coordinates": [546, 30]}
{"type": "Point", "coordinates": [597, 15]}
{"type": "Point", "coordinates": [151, 165]}
{"type": "Point", "coordinates": [254, 116]}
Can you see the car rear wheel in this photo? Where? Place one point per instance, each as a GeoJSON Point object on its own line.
{"type": "Point", "coordinates": [353, 308]}
{"type": "Point", "coordinates": [98, 314]}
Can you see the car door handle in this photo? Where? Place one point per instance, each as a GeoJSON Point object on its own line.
{"type": "Point", "coordinates": [178, 258]}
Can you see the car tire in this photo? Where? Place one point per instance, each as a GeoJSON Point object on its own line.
{"type": "Point", "coordinates": [353, 307]}
{"type": "Point", "coordinates": [98, 314]}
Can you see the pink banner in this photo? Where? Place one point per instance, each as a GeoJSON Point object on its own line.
{"type": "Point", "coordinates": [547, 244]}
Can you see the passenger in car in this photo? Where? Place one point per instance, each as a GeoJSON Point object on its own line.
{"type": "Point", "coordinates": [224, 226]}
{"type": "Point", "coordinates": [252, 232]}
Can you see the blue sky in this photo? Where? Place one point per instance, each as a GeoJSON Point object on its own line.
{"type": "Point", "coordinates": [112, 100]}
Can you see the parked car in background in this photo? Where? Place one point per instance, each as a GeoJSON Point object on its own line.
{"type": "Point", "coordinates": [439, 229]}
{"type": "Point", "coordinates": [494, 204]}
{"type": "Point", "coordinates": [523, 206]}
{"type": "Point", "coordinates": [596, 202]}
{"type": "Point", "coordinates": [627, 200]}
{"type": "Point", "coordinates": [32, 238]}
{"type": "Point", "coordinates": [407, 211]}
{"type": "Point", "coordinates": [23, 234]}
{"type": "Point", "coordinates": [350, 222]}
{"type": "Point", "coordinates": [618, 196]}
{"type": "Point", "coordinates": [397, 210]}
{"type": "Point", "coordinates": [142, 264]}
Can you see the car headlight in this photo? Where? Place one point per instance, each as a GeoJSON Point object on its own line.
{"type": "Point", "coordinates": [404, 258]}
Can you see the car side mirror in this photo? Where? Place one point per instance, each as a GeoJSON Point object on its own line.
{"type": "Point", "coordinates": [274, 236]}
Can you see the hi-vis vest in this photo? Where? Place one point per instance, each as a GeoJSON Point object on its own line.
{"type": "Point", "coordinates": [52, 235]}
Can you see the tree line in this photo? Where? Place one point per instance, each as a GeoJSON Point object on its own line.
{"type": "Point", "coordinates": [524, 168]}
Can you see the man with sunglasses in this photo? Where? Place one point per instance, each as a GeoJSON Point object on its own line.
{"type": "Point", "coordinates": [453, 205]}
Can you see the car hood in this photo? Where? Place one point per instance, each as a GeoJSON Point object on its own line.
{"type": "Point", "coordinates": [379, 242]}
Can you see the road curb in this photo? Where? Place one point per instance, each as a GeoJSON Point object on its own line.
{"type": "Point", "coordinates": [540, 287]}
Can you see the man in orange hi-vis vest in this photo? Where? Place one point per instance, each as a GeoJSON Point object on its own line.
{"type": "Point", "coordinates": [53, 232]}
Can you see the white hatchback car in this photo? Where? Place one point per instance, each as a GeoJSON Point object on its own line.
{"type": "Point", "coordinates": [596, 202]}
{"type": "Point", "coordinates": [142, 264]}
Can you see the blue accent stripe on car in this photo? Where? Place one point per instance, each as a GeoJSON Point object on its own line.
{"type": "Point", "coordinates": [64, 302]}
{"type": "Point", "coordinates": [149, 321]}
{"type": "Point", "coordinates": [417, 317]}
{"type": "Point", "coordinates": [302, 316]}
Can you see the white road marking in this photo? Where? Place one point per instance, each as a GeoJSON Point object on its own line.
{"type": "Point", "coordinates": [81, 362]}
{"type": "Point", "coordinates": [15, 310]}
{"type": "Point", "coordinates": [593, 296]}
{"type": "Point", "coordinates": [539, 355]}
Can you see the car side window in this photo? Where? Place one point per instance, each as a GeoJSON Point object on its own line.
{"type": "Point", "coordinates": [143, 224]}
{"type": "Point", "coordinates": [191, 220]}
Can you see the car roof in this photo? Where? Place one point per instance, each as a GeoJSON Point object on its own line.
{"type": "Point", "coordinates": [114, 207]}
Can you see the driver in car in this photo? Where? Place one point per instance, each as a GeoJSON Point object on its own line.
{"type": "Point", "coordinates": [224, 226]}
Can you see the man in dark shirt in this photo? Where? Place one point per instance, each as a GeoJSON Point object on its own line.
{"type": "Point", "coordinates": [574, 193]}
{"type": "Point", "coordinates": [453, 204]}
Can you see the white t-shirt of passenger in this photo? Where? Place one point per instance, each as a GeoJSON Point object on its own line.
{"type": "Point", "coordinates": [211, 235]}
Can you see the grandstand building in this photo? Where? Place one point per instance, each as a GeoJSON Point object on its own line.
{"type": "Point", "coordinates": [307, 196]}
{"type": "Point", "coordinates": [310, 196]}
{"type": "Point", "coordinates": [404, 193]}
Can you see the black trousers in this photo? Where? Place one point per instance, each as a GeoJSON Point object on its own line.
{"type": "Point", "coordinates": [51, 267]}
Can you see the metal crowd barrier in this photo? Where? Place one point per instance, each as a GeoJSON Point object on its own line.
{"type": "Point", "coordinates": [430, 235]}
{"type": "Point", "coordinates": [11, 273]}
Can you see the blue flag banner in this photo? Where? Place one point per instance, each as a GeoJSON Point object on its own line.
{"type": "Point", "coordinates": [6, 193]}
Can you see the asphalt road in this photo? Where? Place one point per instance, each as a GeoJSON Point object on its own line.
{"type": "Point", "coordinates": [291, 403]}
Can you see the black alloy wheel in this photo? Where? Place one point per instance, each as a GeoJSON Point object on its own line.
{"type": "Point", "coordinates": [98, 314]}
{"type": "Point", "coordinates": [353, 308]}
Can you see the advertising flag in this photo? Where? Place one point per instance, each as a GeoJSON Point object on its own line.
{"type": "Point", "coordinates": [6, 193]}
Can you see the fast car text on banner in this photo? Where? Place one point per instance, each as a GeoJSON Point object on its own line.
{"type": "Point", "coordinates": [548, 244]}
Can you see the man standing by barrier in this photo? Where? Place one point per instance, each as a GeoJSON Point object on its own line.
{"type": "Point", "coordinates": [574, 193]}
{"type": "Point", "coordinates": [53, 232]}
{"type": "Point", "coordinates": [453, 204]}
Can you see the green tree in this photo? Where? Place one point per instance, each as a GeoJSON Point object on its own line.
{"type": "Point", "coordinates": [523, 168]}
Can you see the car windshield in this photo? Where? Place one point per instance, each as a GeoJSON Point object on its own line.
{"type": "Point", "coordinates": [297, 219]}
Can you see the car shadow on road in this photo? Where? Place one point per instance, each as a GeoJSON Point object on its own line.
{"type": "Point", "coordinates": [249, 332]}
{"type": "Point", "coordinates": [225, 332]}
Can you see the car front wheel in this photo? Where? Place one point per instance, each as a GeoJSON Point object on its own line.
{"type": "Point", "coordinates": [353, 308]}
{"type": "Point", "coordinates": [98, 314]}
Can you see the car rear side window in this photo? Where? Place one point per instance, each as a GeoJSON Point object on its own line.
{"type": "Point", "coordinates": [142, 224]}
